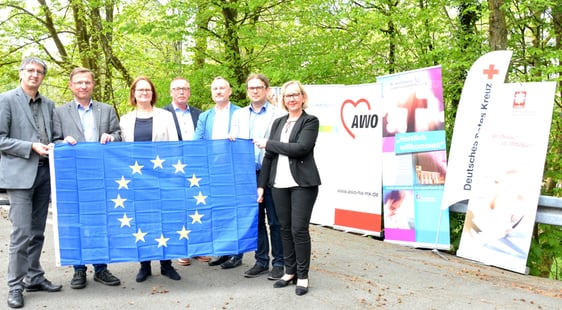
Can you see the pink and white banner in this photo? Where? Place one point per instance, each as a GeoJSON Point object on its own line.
{"type": "Point", "coordinates": [414, 159]}
{"type": "Point", "coordinates": [506, 183]}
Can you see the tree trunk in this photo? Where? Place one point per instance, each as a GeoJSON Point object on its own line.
{"type": "Point", "coordinates": [498, 26]}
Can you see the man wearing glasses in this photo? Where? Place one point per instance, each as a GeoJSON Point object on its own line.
{"type": "Point", "coordinates": [186, 118]}
{"type": "Point", "coordinates": [25, 141]}
{"type": "Point", "coordinates": [254, 122]}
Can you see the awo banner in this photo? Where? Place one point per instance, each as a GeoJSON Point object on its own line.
{"type": "Point", "coordinates": [348, 156]}
{"type": "Point", "coordinates": [507, 180]}
{"type": "Point", "coordinates": [414, 159]}
{"type": "Point", "coordinates": [138, 201]}
{"type": "Point", "coordinates": [485, 76]}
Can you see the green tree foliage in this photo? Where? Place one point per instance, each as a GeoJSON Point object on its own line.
{"type": "Point", "coordinates": [314, 41]}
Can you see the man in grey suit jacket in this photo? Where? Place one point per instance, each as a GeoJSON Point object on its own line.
{"type": "Point", "coordinates": [25, 141]}
{"type": "Point", "coordinates": [85, 120]}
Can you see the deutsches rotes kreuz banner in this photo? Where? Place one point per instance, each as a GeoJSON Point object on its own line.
{"type": "Point", "coordinates": [507, 180]}
{"type": "Point", "coordinates": [125, 202]}
{"type": "Point", "coordinates": [482, 81]}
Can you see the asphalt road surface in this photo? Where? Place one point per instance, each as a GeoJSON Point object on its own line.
{"type": "Point", "coordinates": [348, 271]}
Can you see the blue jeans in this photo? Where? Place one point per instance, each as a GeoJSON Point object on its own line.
{"type": "Point", "coordinates": [97, 267]}
{"type": "Point", "coordinates": [267, 208]}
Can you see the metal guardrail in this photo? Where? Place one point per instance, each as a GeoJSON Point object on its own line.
{"type": "Point", "coordinates": [3, 198]}
{"type": "Point", "coordinates": [549, 210]}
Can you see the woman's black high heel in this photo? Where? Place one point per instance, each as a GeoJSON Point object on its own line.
{"type": "Point", "coordinates": [301, 290]}
{"type": "Point", "coordinates": [282, 283]}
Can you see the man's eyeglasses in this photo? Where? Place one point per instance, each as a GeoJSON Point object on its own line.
{"type": "Point", "coordinates": [143, 90]}
{"type": "Point", "coordinates": [32, 71]}
{"type": "Point", "coordinates": [256, 88]}
{"type": "Point", "coordinates": [291, 96]}
{"type": "Point", "coordinates": [180, 89]}
{"type": "Point", "coordinates": [85, 83]}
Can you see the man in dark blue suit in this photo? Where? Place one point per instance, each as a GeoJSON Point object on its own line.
{"type": "Point", "coordinates": [26, 133]}
{"type": "Point", "coordinates": [186, 118]}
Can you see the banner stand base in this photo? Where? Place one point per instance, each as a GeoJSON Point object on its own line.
{"type": "Point", "coordinates": [435, 250]}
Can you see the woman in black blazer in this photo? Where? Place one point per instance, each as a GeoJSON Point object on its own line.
{"type": "Point", "coordinates": [290, 170]}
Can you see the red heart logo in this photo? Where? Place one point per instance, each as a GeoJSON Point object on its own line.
{"type": "Point", "coordinates": [354, 103]}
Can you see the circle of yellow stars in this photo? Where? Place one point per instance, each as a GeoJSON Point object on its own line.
{"type": "Point", "coordinates": [119, 202]}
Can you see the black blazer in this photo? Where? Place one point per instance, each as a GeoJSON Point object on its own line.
{"type": "Point", "coordinates": [194, 116]}
{"type": "Point", "coordinates": [300, 151]}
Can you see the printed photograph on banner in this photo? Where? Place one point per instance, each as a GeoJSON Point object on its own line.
{"type": "Point", "coordinates": [413, 105]}
{"type": "Point", "coordinates": [414, 158]}
{"type": "Point", "coordinates": [500, 219]}
{"type": "Point", "coordinates": [431, 167]}
{"type": "Point", "coordinates": [399, 210]}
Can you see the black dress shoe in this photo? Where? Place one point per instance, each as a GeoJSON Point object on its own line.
{"type": "Point", "coordinates": [170, 272]}
{"type": "Point", "coordinates": [219, 261]}
{"type": "Point", "coordinates": [46, 285]}
{"type": "Point", "coordinates": [232, 262]}
{"type": "Point", "coordinates": [15, 298]}
{"type": "Point", "coordinates": [144, 272]}
{"type": "Point", "coordinates": [79, 280]}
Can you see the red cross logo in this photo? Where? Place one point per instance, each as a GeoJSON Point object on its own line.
{"type": "Point", "coordinates": [491, 71]}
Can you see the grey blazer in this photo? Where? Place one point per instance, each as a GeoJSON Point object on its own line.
{"type": "Point", "coordinates": [18, 131]}
{"type": "Point", "coordinates": [66, 122]}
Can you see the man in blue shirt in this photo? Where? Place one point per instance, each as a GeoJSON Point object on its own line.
{"type": "Point", "coordinates": [214, 124]}
{"type": "Point", "coordinates": [254, 122]}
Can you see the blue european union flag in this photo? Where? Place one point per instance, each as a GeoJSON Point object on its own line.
{"type": "Point", "coordinates": [138, 201]}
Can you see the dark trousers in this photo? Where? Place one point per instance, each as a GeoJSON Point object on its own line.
{"type": "Point", "coordinates": [28, 214]}
{"type": "Point", "coordinates": [294, 209]}
{"type": "Point", "coordinates": [267, 208]}
{"type": "Point", "coordinates": [166, 264]}
{"type": "Point", "coordinates": [97, 267]}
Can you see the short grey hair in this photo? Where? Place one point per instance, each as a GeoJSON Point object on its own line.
{"type": "Point", "coordinates": [33, 60]}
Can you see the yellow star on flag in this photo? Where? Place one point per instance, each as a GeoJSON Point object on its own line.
{"type": "Point", "coordinates": [194, 181]}
{"type": "Point", "coordinates": [119, 202]}
{"type": "Point", "coordinates": [196, 217]}
{"type": "Point", "coordinates": [183, 233]}
{"type": "Point", "coordinates": [123, 183]}
{"type": "Point", "coordinates": [139, 235]}
{"type": "Point", "coordinates": [179, 167]}
{"type": "Point", "coordinates": [125, 221]}
{"type": "Point", "coordinates": [158, 162]}
{"type": "Point", "coordinates": [162, 241]}
{"type": "Point", "coordinates": [136, 168]}
{"type": "Point", "coordinates": [200, 198]}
